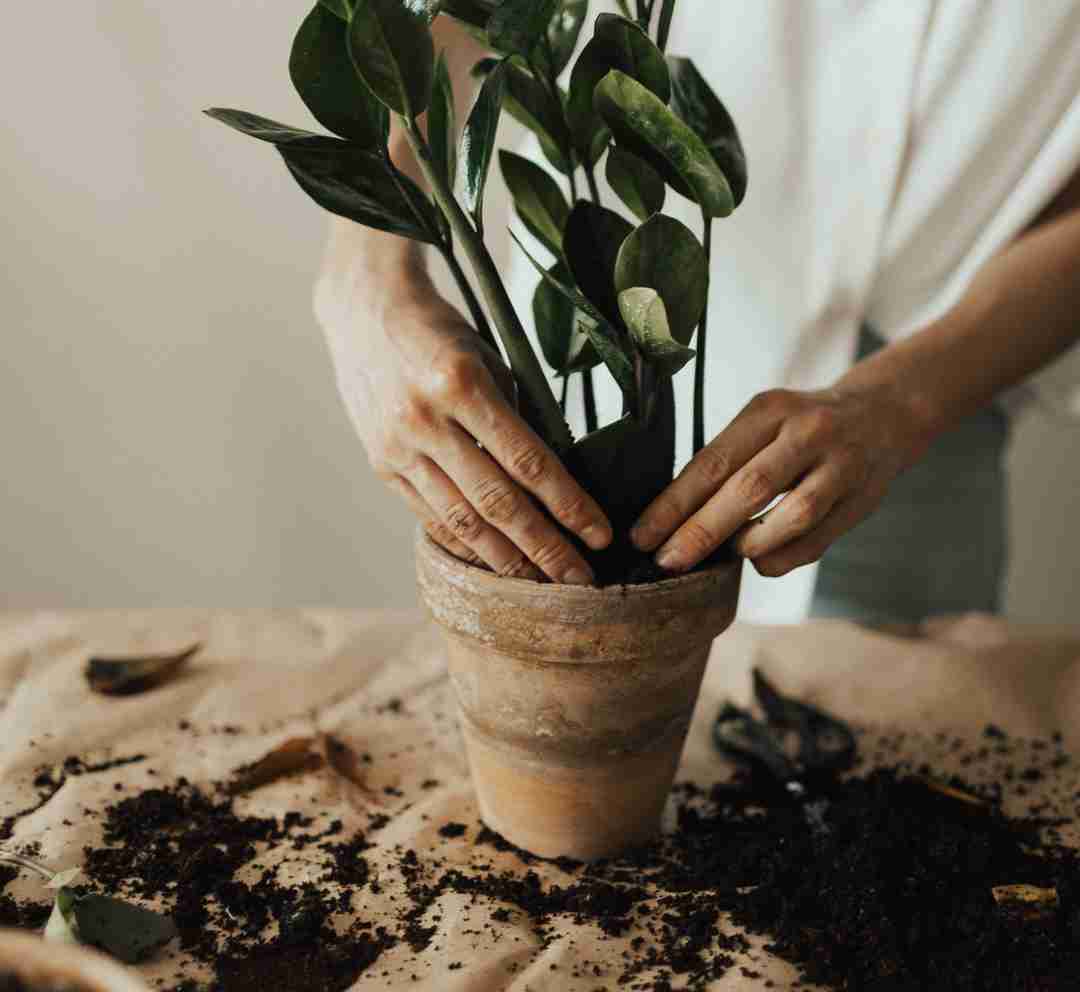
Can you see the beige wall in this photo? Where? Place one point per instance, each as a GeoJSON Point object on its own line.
{"type": "Point", "coordinates": [170, 429]}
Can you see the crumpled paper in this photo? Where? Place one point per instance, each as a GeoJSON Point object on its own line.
{"type": "Point", "coordinates": [264, 677]}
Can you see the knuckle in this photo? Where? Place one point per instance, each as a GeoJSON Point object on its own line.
{"type": "Point", "coordinates": [415, 415]}
{"type": "Point", "coordinates": [697, 538]}
{"type": "Point", "coordinates": [516, 568]}
{"type": "Point", "coordinates": [754, 490]}
{"type": "Point", "coordinates": [777, 401]}
{"type": "Point", "coordinates": [550, 555]}
{"type": "Point", "coordinates": [457, 377]}
{"type": "Point", "coordinates": [463, 522]}
{"type": "Point", "coordinates": [818, 424]}
{"type": "Point", "coordinates": [497, 501]}
{"type": "Point", "coordinates": [804, 509]}
{"type": "Point", "coordinates": [528, 463]}
{"type": "Point", "coordinates": [713, 465]}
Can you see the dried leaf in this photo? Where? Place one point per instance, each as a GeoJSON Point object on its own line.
{"type": "Point", "coordinates": [344, 760]}
{"type": "Point", "coordinates": [127, 676]}
{"type": "Point", "coordinates": [1027, 901]}
{"type": "Point", "coordinates": [951, 792]}
{"type": "Point", "coordinates": [291, 758]}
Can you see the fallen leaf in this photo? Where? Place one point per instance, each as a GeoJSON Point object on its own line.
{"type": "Point", "coordinates": [127, 676]}
{"type": "Point", "coordinates": [294, 756]}
{"type": "Point", "coordinates": [344, 760]}
{"type": "Point", "coordinates": [122, 929]}
{"type": "Point", "coordinates": [1027, 901]}
{"type": "Point", "coordinates": [951, 792]}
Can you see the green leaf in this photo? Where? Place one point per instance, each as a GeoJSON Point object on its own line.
{"type": "Point", "coordinates": [391, 47]}
{"type": "Point", "coordinates": [127, 932]}
{"type": "Point", "coordinates": [62, 925]}
{"type": "Point", "coordinates": [646, 316]}
{"type": "Point", "coordinates": [624, 6]}
{"type": "Point", "coordinates": [475, 13]}
{"type": "Point", "coordinates": [664, 255]}
{"type": "Point", "coordinates": [636, 183]}
{"type": "Point", "coordinates": [563, 32]}
{"type": "Point", "coordinates": [339, 8]}
{"type": "Point", "coordinates": [517, 25]}
{"type": "Point", "coordinates": [617, 43]}
{"type": "Point", "coordinates": [591, 242]}
{"type": "Point", "coordinates": [442, 123]}
{"type": "Point", "coordinates": [604, 337]}
{"type": "Point", "coordinates": [644, 125]}
{"type": "Point", "coordinates": [695, 102]}
{"type": "Point", "coordinates": [532, 105]}
{"type": "Point", "coordinates": [323, 75]}
{"type": "Point", "coordinates": [478, 140]}
{"type": "Point", "coordinates": [559, 328]}
{"type": "Point", "coordinates": [537, 198]}
{"type": "Point", "coordinates": [267, 130]}
{"type": "Point", "coordinates": [362, 186]}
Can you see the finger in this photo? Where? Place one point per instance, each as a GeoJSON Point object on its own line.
{"type": "Point", "coordinates": [802, 509]}
{"type": "Point", "coordinates": [507, 507]}
{"type": "Point", "coordinates": [459, 516]}
{"type": "Point", "coordinates": [489, 419]}
{"type": "Point", "coordinates": [436, 530]}
{"type": "Point", "coordinates": [809, 548]}
{"type": "Point", "coordinates": [749, 490]}
{"type": "Point", "coordinates": [752, 430]}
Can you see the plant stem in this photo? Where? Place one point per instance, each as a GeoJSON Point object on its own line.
{"type": "Point", "coordinates": [542, 409]}
{"type": "Point", "coordinates": [699, 362]}
{"type": "Point", "coordinates": [479, 318]}
{"type": "Point", "coordinates": [667, 11]}
{"type": "Point", "coordinates": [591, 422]}
{"type": "Point", "coordinates": [594, 190]}
{"type": "Point", "coordinates": [564, 395]}
{"type": "Point", "coordinates": [11, 858]}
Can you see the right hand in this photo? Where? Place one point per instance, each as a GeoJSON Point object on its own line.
{"type": "Point", "coordinates": [429, 400]}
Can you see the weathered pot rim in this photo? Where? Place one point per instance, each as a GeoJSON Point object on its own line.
{"type": "Point", "coordinates": [500, 584]}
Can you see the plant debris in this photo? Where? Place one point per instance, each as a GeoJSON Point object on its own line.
{"type": "Point", "coordinates": [291, 758]}
{"type": "Point", "coordinates": [127, 676]}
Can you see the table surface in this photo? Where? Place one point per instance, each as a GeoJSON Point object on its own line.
{"type": "Point", "coordinates": [274, 675]}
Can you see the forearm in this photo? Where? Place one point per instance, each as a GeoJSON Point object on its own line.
{"type": "Point", "coordinates": [1020, 312]}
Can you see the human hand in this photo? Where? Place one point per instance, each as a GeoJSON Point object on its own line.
{"type": "Point", "coordinates": [429, 400]}
{"type": "Point", "coordinates": [834, 452]}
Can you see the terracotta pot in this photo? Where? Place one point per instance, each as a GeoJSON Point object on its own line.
{"type": "Point", "coordinates": [63, 966]}
{"type": "Point", "coordinates": [575, 701]}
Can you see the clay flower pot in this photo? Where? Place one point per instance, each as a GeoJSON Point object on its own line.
{"type": "Point", "coordinates": [51, 965]}
{"type": "Point", "coordinates": [575, 701]}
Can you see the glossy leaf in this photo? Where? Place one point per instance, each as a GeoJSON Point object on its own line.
{"type": "Point", "coordinates": [695, 102]}
{"type": "Point", "coordinates": [362, 186]}
{"type": "Point", "coordinates": [267, 130]}
{"type": "Point", "coordinates": [517, 25]}
{"type": "Point", "coordinates": [478, 140]}
{"type": "Point", "coordinates": [130, 675]}
{"type": "Point", "coordinates": [391, 47]}
{"type": "Point", "coordinates": [604, 337]}
{"type": "Point", "coordinates": [563, 32]}
{"type": "Point", "coordinates": [475, 13]}
{"type": "Point", "coordinates": [644, 125]}
{"type": "Point", "coordinates": [442, 123]}
{"type": "Point", "coordinates": [636, 183]}
{"type": "Point", "coordinates": [591, 243]}
{"type": "Point", "coordinates": [664, 255]}
{"type": "Point", "coordinates": [559, 328]}
{"type": "Point", "coordinates": [339, 8]}
{"type": "Point", "coordinates": [323, 75]}
{"type": "Point", "coordinates": [646, 317]}
{"type": "Point", "coordinates": [532, 105]}
{"type": "Point", "coordinates": [537, 199]}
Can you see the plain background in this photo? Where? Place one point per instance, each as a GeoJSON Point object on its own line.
{"type": "Point", "coordinates": [170, 426]}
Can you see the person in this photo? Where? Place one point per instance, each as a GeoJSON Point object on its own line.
{"type": "Point", "coordinates": [908, 253]}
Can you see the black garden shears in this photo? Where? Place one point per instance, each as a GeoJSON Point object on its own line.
{"type": "Point", "coordinates": [825, 746]}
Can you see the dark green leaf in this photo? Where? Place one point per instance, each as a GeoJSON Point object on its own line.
{"type": "Point", "coordinates": [624, 6]}
{"type": "Point", "coordinates": [323, 75]}
{"type": "Point", "coordinates": [339, 8]}
{"type": "Point", "coordinates": [537, 198]}
{"type": "Point", "coordinates": [591, 242]}
{"type": "Point", "coordinates": [695, 102]}
{"type": "Point", "coordinates": [604, 337]}
{"type": "Point", "coordinates": [664, 255]}
{"type": "Point", "coordinates": [127, 676]}
{"type": "Point", "coordinates": [663, 29]}
{"type": "Point", "coordinates": [643, 124]}
{"type": "Point", "coordinates": [517, 25]}
{"type": "Point", "coordinates": [267, 130]}
{"type": "Point", "coordinates": [478, 140]}
{"type": "Point", "coordinates": [563, 32]}
{"type": "Point", "coordinates": [391, 47]}
{"type": "Point", "coordinates": [475, 13]}
{"type": "Point", "coordinates": [442, 123]}
{"type": "Point", "coordinates": [127, 932]}
{"type": "Point", "coordinates": [362, 186]}
{"type": "Point", "coordinates": [563, 338]}
{"type": "Point", "coordinates": [646, 317]}
{"type": "Point", "coordinates": [636, 183]}
{"type": "Point", "coordinates": [532, 105]}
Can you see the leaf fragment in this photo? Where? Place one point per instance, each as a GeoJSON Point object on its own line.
{"type": "Point", "coordinates": [635, 182]}
{"type": "Point", "coordinates": [537, 199]}
{"type": "Point", "coordinates": [127, 676]}
{"type": "Point", "coordinates": [391, 46]}
{"type": "Point", "coordinates": [517, 25]}
{"type": "Point", "coordinates": [1029, 902]}
{"type": "Point", "coordinates": [951, 792]}
{"type": "Point", "coordinates": [294, 756]}
{"type": "Point", "coordinates": [646, 317]}
{"type": "Point", "coordinates": [127, 932]}
{"type": "Point", "coordinates": [478, 140]}
{"type": "Point", "coordinates": [442, 123]}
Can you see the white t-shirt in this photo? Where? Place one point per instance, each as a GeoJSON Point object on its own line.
{"type": "Point", "coordinates": [893, 147]}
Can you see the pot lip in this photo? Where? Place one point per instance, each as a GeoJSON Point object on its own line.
{"type": "Point", "coordinates": [442, 559]}
{"type": "Point", "coordinates": [25, 953]}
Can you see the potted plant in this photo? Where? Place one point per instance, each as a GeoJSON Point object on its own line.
{"type": "Point", "coordinates": [575, 700]}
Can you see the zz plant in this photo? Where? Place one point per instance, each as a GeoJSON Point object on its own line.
{"type": "Point", "coordinates": [627, 296]}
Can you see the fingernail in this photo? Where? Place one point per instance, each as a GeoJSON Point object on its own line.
{"type": "Point", "coordinates": [577, 577]}
{"type": "Point", "coordinates": [669, 558]}
{"type": "Point", "coordinates": [597, 536]}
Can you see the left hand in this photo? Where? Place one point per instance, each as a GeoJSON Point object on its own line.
{"type": "Point", "coordinates": [834, 452]}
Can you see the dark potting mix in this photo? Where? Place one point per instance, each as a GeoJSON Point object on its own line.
{"type": "Point", "coordinates": [901, 880]}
